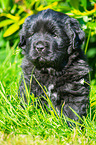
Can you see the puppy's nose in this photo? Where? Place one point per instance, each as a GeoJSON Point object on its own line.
{"type": "Point", "coordinates": [40, 46]}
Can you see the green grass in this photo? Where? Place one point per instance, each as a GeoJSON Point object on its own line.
{"type": "Point", "coordinates": [31, 126]}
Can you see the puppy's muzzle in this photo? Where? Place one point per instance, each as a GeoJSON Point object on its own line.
{"type": "Point", "coordinates": [40, 45]}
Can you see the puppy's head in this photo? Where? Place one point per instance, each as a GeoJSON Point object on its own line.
{"type": "Point", "coordinates": [49, 37]}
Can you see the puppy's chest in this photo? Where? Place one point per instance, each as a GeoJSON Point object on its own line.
{"type": "Point", "coordinates": [48, 82]}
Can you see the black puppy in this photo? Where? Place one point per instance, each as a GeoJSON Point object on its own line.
{"type": "Point", "coordinates": [51, 41]}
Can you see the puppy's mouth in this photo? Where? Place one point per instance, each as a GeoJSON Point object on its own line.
{"type": "Point", "coordinates": [41, 52]}
{"type": "Point", "coordinates": [39, 60]}
{"type": "Point", "coordinates": [42, 62]}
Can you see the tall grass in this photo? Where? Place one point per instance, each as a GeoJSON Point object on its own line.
{"type": "Point", "coordinates": [38, 125]}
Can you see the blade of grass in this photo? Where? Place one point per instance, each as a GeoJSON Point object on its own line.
{"type": "Point", "coordinates": [86, 47]}
{"type": "Point", "coordinates": [76, 114]}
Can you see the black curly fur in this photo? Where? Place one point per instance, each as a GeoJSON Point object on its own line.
{"type": "Point", "coordinates": [51, 41]}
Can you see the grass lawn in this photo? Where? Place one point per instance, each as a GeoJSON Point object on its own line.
{"type": "Point", "coordinates": [33, 126]}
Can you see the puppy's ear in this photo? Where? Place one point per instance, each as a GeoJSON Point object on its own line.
{"type": "Point", "coordinates": [74, 32]}
{"type": "Point", "coordinates": [22, 42]}
{"type": "Point", "coordinates": [23, 34]}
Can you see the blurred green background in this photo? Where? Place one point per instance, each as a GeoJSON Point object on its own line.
{"type": "Point", "coordinates": [14, 12]}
